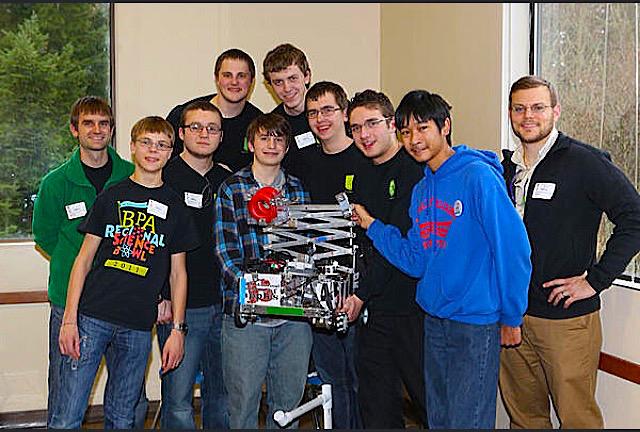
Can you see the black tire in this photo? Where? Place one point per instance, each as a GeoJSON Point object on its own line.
{"type": "Point", "coordinates": [240, 320]}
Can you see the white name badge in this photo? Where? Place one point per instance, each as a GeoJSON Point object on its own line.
{"type": "Point", "coordinates": [193, 199]}
{"type": "Point", "coordinates": [305, 140]}
{"type": "Point", "coordinates": [157, 209]}
{"type": "Point", "coordinates": [76, 210]}
{"type": "Point", "coordinates": [543, 190]}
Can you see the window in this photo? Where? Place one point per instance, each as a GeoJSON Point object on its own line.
{"type": "Point", "coordinates": [590, 53]}
{"type": "Point", "coordinates": [50, 54]}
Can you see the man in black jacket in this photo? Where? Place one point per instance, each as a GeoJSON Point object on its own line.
{"type": "Point", "coordinates": [561, 187]}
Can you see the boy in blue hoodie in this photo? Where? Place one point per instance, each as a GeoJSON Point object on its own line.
{"type": "Point", "coordinates": [470, 251]}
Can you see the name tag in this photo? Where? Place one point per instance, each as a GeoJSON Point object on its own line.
{"type": "Point", "coordinates": [305, 140]}
{"type": "Point", "coordinates": [543, 190]}
{"type": "Point", "coordinates": [157, 209]}
{"type": "Point", "coordinates": [76, 210]}
{"type": "Point", "coordinates": [193, 199]}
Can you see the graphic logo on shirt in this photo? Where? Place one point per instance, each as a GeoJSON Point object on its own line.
{"type": "Point", "coordinates": [441, 215]}
{"type": "Point", "coordinates": [392, 189]}
{"type": "Point", "coordinates": [134, 237]}
{"type": "Point", "coordinates": [457, 208]}
{"type": "Point", "coordinates": [348, 182]}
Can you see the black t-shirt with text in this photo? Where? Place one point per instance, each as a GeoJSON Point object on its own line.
{"type": "Point", "coordinates": [233, 150]}
{"type": "Point", "coordinates": [198, 194]}
{"type": "Point", "coordinates": [140, 228]}
{"type": "Point", "coordinates": [386, 194]}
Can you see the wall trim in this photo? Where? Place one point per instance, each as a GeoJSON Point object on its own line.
{"type": "Point", "coordinates": [620, 367]}
{"type": "Point", "coordinates": [21, 297]}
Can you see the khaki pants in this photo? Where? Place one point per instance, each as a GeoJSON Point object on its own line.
{"type": "Point", "coordinates": [557, 358]}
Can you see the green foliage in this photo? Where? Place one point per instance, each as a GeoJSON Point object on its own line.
{"type": "Point", "coordinates": [50, 54]}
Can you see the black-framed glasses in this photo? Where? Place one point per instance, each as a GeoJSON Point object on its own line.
{"type": "Point", "coordinates": [196, 127]}
{"type": "Point", "coordinates": [368, 124]}
{"type": "Point", "coordinates": [160, 145]}
{"type": "Point", "coordinates": [535, 108]}
{"type": "Point", "coordinates": [325, 111]}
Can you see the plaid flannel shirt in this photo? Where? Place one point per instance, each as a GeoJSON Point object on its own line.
{"type": "Point", "coordinates": [238, 242]}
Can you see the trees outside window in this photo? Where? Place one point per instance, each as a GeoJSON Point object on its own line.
{"type": "Point", "coordinates": [590, 52]}
{"type": "Point", "coordinates": [50, 55]}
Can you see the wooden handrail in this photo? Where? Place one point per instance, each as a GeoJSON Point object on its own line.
{"type": "Point", "coordinates": [619, 367]}
{"type": "Point", "coordinates": [21, 297]}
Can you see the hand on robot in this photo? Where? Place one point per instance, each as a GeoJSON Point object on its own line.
{"type": "Point", "coordinates": [352, 306]}
{"type": "Point", "coordinates": [164, 312]}
{"type": "Point", "coordinates": [361, 216]}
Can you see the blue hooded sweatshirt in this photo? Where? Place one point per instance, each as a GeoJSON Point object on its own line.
{"type": "Point", "coordinates": [467, 245]}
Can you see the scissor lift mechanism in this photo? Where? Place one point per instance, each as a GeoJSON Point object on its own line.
{"type": "Point", "coordinates": [300, 275]}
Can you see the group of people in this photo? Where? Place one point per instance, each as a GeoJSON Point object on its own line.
{"type": "Point", "coordinates": [473, 274]}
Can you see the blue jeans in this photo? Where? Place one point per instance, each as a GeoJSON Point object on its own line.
{"type": "Point", "coordinates": [202, 352]}
{"type": "Point", "coordinates": [55, 360]}
{"type": "Point", "coordinates": [333, 356]}
{"type": "Point", "coordinates": [253, 354]}
{"type": "Point", "coordinates": [126, 352]}
{"type": "Point", "coordinates": [461, 373]}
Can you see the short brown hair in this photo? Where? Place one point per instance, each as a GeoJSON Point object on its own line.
{"type": "Point", "coordinates": [201, 105]}
{"type": "Point", "coordinates": [532, 81]}
{"type": "Point", "coordinates": [283, 56]}
{"type": "Point", "coordinates": [270, 123]}
{"type": "Point", "coordinates": [323, 87]}
{"type": "Point", "coordinates": [371, 99]}
{"type": "Point", "coordinates": [235, 54]}
{"type": "Point", "coordinates": [152, 124]}
{"type": "Point", "coordinates": [90, 105]}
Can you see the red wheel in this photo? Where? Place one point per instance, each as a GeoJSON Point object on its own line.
{"type": "Point", "coordinates": [260, 206]}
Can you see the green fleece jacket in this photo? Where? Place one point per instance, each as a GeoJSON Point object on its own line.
{"type": "Point", "coordinates": [55, 223]}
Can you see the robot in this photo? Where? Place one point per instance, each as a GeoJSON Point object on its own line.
{"type": "Point", "coordinates": [309, 266]}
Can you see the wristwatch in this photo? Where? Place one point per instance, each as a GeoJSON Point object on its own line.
{"type": "Point", "coordinates": [181, 327]}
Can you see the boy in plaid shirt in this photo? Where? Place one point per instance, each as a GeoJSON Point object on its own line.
{"type": "Point", "coordinates": [275, 350]}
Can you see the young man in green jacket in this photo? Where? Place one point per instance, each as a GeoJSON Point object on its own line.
{"type": "Point", "coordinates": [66, 194]}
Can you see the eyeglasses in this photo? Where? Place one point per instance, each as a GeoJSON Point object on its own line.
{"type": "Point", "coordinates": [196, 127]}
{"type": "Point", "coordinates": [535, 109]}
{"type": "Point", "coordinates": [325, 111]}
{"type": "Point", "coordinates": [160, 145]}
{"type": "Point", "coordinates": [368, 124]}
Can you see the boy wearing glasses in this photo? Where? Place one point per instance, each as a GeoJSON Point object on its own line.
{"type": "Point", "coordinates": [235, 74]}
{"type": "Point", "coordinates": [136, 236]}
{"type": "Point", "coordinates": [286, 70]}
{"type": "Point", "coordinates": [196, 176]}
{"type": "Point", "coordinates": [389, 341]}
{"type": "Point", "coordinates": [561, 187]}
{"type": "Point", "coordinates": [468, 247]}
{"type": "Point", "coordinates": [63, 200]}
{"type": "Point", "coordinates": [336, 165]}
{"type": "Point", "coordinates": [270, 349]}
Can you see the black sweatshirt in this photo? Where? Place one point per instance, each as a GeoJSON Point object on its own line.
{"type": "Point", "coordinates": [563, 228]}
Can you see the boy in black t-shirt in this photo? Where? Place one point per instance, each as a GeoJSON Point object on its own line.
{"type": "Point", "coordinates": [196, 176]}
{"type": "Point", "coordinates": [287, 71]}
{"type": "Point", "coordinates": [335, 165]}
{"type": "Point", "coordinates": [136, 235]}
{"type": "Point", "coordinates": [389, 342]}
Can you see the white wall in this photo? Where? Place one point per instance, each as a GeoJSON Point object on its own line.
{"type": "Point", "coordinates": [165, 52]}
